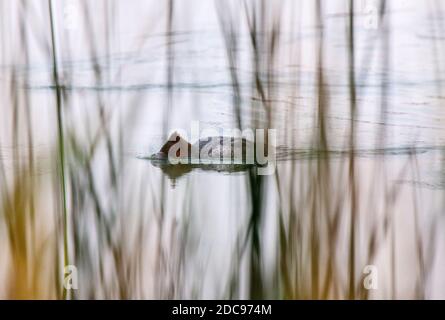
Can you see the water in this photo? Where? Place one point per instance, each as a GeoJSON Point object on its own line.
{"type": "Point", "coordinates": [139, 231]}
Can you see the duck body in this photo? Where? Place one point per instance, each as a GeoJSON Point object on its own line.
{"type": "Point", "coordinates": [222, 148]}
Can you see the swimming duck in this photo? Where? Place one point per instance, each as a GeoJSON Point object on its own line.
{"type": "Point", "coordinates": [215, 149]}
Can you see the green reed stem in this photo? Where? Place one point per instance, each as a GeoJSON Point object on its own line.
{"type": "Point", "coordinates": [60, 138]}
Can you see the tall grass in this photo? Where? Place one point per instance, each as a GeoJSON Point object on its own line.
{"type": "Point", "coordinates": [82, 203]}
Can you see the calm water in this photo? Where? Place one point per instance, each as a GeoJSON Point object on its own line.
{"type": "Point", "coordinates": [134, 232]}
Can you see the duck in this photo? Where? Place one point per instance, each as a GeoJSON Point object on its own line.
{"type": "Point", "coordinates": [215, 149]}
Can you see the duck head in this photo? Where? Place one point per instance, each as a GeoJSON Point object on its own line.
{"type": "Point", "coordinates": [176, 146]}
